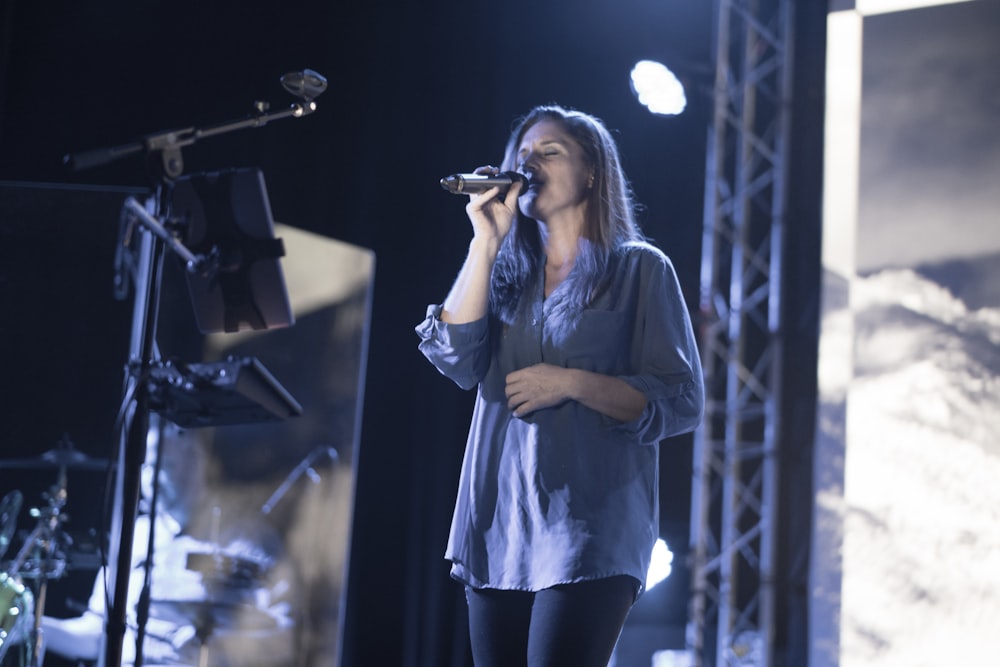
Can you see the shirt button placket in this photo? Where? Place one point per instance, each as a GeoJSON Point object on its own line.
{"type": "Point", "coordinates": [537, 322]}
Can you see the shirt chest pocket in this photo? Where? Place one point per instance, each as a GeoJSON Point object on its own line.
{"type": "Point", "coordinates": [598, 343]}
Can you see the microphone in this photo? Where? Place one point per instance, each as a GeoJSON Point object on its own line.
{"type": "Point", "coordinates": [306, 84]}
{"type": "Point", "coordinates": [474, 184]}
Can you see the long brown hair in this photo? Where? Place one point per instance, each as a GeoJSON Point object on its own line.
{"type": "Point", "coordinates": [610, 222]}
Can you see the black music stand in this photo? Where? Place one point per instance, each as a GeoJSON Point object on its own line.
{"type": "Point", "coordinates": [235, 283]}
{"type": "Point", "coordinates": [226, 218]}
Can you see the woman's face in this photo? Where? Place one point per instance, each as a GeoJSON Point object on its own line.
{"type": "Point", "coordinates": [559, 180]}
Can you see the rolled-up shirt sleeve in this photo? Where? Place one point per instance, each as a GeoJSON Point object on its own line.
{"type": "Point", "coordinates": [460, 352]}
{"type": "Point", "coordinates": [666, 353]}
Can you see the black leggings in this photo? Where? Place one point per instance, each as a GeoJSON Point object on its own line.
{"type": "Point", "coordinates": [576, 625]}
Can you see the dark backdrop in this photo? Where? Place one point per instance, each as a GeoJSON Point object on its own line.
{"type": "Point", "coordinates": [416, 91]}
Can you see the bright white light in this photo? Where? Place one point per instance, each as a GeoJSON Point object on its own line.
{"type": "Point", "coordinates": [657, 88]}
{"type": "Point", "coordinates": [869, 7]}
{"type": "Point", "coordinates": [843, 143]}
{"type": "Point", "coordinates": [661, 564]}
{"type": "Point", "coordinates": [669, 658]}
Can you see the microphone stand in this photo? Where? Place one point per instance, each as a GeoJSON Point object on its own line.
{"type": "Point", "coordinates": [132, 440]}
{"type": "Point", "coordinates": [155, 239]}
{"type": "Point", "coordinates": [302, 468]}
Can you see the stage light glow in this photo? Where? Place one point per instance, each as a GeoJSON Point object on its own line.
{"type": "Point", "coordinates": [869, 7]}
{"type": "Point", "coordinates": [657, 88]}
{"type": "Point", "coordinates": [661, 564]}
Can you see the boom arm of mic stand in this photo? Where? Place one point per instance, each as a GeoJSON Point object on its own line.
{"type": "Point", "coordinates": [170, 142]}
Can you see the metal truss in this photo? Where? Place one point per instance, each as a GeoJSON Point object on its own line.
{"type": "Point", "coordinates": [736, 462]}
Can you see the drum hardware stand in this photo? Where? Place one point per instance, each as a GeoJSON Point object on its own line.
{"type": "Point", "coordinates": [304, 467]}
{"type": "Point", "coordinates": [43, 544]}
{"type": "Point", "coordinates": [132, 440]}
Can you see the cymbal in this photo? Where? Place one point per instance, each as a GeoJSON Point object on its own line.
{"type": "Point", "coordinates": [60, 457]}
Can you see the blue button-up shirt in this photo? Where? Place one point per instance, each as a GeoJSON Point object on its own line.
{"type": "Point", "coordinates": [567, 494]}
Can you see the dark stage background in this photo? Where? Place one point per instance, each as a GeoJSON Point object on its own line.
{"type": "Point", "coordinates": [416, 91]}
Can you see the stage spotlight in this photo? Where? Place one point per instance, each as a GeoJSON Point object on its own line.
{"type": "Point", "coordinates": [661, 565]}
{"type": "Point", "coordinates": [657, 88]}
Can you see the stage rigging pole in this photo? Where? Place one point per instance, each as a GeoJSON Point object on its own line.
{"type": "Point", "coordinates": [737, 448]}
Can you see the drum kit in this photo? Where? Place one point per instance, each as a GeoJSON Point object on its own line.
{"type": "Point", "coordinates": [46, 554]}
{"type": "Point", "coordinates": [41, 557]}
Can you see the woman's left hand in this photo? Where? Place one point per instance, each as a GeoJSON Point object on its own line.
{"type": "Point", "coordinates": [536, 387]}
{"type": "Point", "coordinates": [546, 386]}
